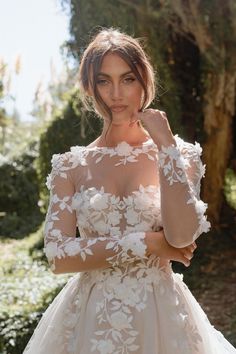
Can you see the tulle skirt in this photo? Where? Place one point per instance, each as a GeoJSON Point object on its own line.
{"type": "Point", "coordinates": [140, 315]}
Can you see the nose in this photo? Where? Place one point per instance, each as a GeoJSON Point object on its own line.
{"type": "Point", "coordinates": [116, 92]}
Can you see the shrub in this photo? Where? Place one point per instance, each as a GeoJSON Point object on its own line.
{"type": "Point", "coordinates": [19, 195]}
{"type": "Point", "coordinates": [71, 128]}
{"type": "Point", "coordinates": [27, 288]}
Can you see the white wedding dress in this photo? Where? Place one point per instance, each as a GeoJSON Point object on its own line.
{"type": "Point", "coordinates": [121, 300]}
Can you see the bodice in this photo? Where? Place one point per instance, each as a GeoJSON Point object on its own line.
{"type": "Point", "coordinates": [100, 212]}
{"type": "Point", "coordinates": [115, 195]}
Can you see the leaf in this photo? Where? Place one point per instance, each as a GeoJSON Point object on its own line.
{"type": "Point", "coordinates": [110, 245]}
{"type": "Point", "coordinates": [83, 255]}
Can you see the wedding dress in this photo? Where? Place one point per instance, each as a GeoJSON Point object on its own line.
{"type": "Point", "coordinates": [121, 300]}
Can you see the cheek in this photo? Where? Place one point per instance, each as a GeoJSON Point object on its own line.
{"type": "Point", "coordinates": [136, 94]}
{"type": "Point", "coordinates": [105, 94]}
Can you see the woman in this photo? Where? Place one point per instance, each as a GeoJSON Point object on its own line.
{"type": "Point", "coordinates": [134, 194]}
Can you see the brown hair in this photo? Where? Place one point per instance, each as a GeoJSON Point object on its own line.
{"type": "Point", "coordinates": [130, 50]}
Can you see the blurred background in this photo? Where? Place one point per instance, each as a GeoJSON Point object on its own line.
{"type": "Point", "coordinates": [192, 45]}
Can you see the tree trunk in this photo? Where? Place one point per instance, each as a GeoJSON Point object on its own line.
{"type": "Point", "coordinates": [219, 111]}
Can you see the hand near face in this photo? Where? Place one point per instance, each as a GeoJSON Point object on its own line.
{"type": "Point", "coordinates": [157, 125]}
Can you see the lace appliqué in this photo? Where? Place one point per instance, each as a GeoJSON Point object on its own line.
{"type": "Point", "coordinates": [174, 162]}
{"type": "Point", "coordinates": [63, 163]}
{"type": "Point", "coordinates": [59, 245]}
{"type": "Point", "coordinates": [128, 283]}
{"type": "Point", "coordinates": [100, 212]}
{"type": "Point", "coordinates": [186, 337]}
{"type": "Point", "coordinates": [122, 293]}
{"type": "Point", "coordinates": [126, 152]}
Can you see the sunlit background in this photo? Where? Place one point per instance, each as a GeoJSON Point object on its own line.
{"type": "Point", "coordinates": [192, 45]}
{"type": "Point", "coordinates": [31, 35]}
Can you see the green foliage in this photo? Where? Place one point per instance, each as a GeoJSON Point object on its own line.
{"type": "Point", "coordinates": [16, 330]}
{"type": "Point", "coordinates": [17, 327]}
{"type": "Point", "coordinates": [137, 19]}
{"type": "Point", "coordinates": [19, 195]}
{"type": "Point", "coordinates": [71, 128]}
{"type": "Point", "coordinates": [26, 290]}
{"type": "Point", "coordinates": [230, 187]}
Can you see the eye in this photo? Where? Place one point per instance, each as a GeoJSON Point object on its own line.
{"type": "Point", "coordinates": [101, 82]}
{"type": "Point", "coordinates": [130, 79]}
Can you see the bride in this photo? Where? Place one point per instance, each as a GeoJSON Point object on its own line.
{"type": "Point", "coordinates": [134, 194]}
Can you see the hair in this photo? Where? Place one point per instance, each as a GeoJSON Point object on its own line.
{"type": "Point", "coordinates": [111, 40]}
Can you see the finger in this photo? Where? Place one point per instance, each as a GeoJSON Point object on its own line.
{"type": "Point", "coordinates": [134, 117]}
{"type": "Point", "coordinates": [185, 261]}
{"type": "Point", "coordinates": [133, 122]}
{"type": "Point", "coordinates": [188, 254]}
{"type": "Point", "coordinates": [179, 257]}
{"type": "Point", "coordinates": [191, 248]}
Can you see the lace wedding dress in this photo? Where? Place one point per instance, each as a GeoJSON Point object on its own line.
{"type": "Point", "coordinates": [121, 300]}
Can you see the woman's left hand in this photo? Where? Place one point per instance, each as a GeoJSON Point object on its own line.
{"type": "Point", "coordinates": [157, 125]}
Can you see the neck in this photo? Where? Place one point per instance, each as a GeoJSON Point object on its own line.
{"type": "Point", "coordinates": [117, 132]}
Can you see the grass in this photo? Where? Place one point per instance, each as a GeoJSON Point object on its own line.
{"type": "Point", "coordinates": [25, 275]}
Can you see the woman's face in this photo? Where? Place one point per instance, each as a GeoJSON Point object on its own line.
{"type": "Point", "coordinates": [118, 87]}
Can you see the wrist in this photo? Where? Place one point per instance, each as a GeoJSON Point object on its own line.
{"type": "Point", "coordinates": [151, 243]}
{"type": "Point", "coordinates": [165, 141]}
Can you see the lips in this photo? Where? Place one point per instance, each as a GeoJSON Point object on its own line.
{"type": "Point", "coordinates": [118, 108]}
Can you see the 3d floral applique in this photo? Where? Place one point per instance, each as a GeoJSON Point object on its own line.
{"type": "Point", "coordinates": [101, 212]}
{"type": "Point", "coordinates": [127, 152]}
{"type": "Point", "coordinates": [98, 212]}
{"type": "Point", "coordinates": [124, 290]}
{"type": "Point", "coordinates": [63, 163]}
{"type": "Point", "coordinates": [172, 164]}
{"type": "Point", "coordinates": [182, 164]}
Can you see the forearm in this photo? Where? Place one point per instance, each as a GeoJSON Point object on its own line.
{"type": "Point", "coordinates": [76, 255]}
{"type": "Point", "coordinates": [180, 220]}
{"type": "Point", "coordinates": [181, 208]}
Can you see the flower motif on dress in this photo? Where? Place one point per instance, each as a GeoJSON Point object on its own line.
{"type": "Point", "coordinates": [114, 217]}
{"type": "Point", "coordinates": [99, 201]}
{"type": "Point", "coordinates": [123, 149]}
{"type": "Point", "coordinates": [132, 216]}
{"type": "Point", "coordinates": [63, 163]}
{"type": "Point", "coordinates": [128, 153]}
{"type": "Point", "coordinates": [101, 212]}
{"type": "Point", "coordinates": [126, 285]}
{"type": "Point", "coordinates": [119, 320]}
{"type": "Point", "coordinates": [176, 162]}
{"type": "Point", "coordinates": [51, 250]}
{"type": "Point", "coordinates": [104, 346]}
{"type": "Point", "coordinates": [134, 243]}
{"type": "Point", "coordinates": [124, 290]}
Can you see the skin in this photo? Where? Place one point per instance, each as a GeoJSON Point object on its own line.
{"type": "Point", "coordinates": [116, 88]}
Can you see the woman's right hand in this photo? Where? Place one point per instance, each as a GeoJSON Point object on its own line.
{"type": "Point", "coordinates": [157, 244]}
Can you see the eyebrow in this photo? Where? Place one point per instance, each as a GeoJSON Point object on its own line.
{"type": "Point", "coordinates": [104, 74]}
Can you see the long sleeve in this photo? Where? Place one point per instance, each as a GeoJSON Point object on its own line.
{"type": "Point", "coordinates": [182, 210]}
{"type": "Point", "coordinates": [67, 253]}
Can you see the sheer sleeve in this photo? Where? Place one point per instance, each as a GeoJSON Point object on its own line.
{"type": "Point", "coordinates": [182, 210]}
{"type": "Point", "coordinates": [67, 253]}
